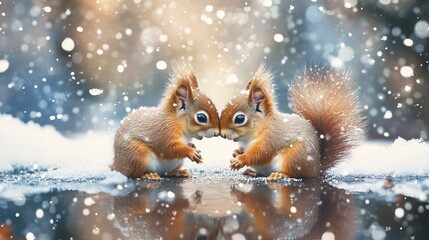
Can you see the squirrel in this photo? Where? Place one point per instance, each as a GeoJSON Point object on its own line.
{"type": "Point", "coordinates": [328, 124]}
{"type": "Point", "coordinates": [153, 141]}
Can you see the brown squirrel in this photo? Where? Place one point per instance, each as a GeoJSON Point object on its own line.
{"type": "Point", "coordinates": [154, 141]}
{"type": "Point", "coordinates": [279, 145]}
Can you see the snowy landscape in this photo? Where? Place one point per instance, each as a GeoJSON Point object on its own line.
{"type": "Point", "coordinates": [67, 163]}
{"type": "Point", "coordinates": [70, 71]}
{"type": "Point", "coordinates": [80, 164]}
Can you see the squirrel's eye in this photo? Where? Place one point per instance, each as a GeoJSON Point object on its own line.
{"type": "Point", "coordinates": [201, 117]}
{"type": "Point", "coordinates": [240, 119]}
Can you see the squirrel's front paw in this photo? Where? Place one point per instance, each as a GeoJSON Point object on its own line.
{"type": "Point", "coordinates": [195, 156]}
{"type": "Point", "coordinates": [238, 151]}
{"type": "Point", "coordinates": [235, 164]}
{"type": "Point", "coordinates": [192, 145]}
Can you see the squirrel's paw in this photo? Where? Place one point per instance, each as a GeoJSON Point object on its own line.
{"type": "Point", "coordinates": [151, 176]}
{"type": "Point", "coordinates": [276, 176]}
{"type": "Point", "coordinates": [195, 156]}
{"type": "Point", "coordinates": [192, 145]}
{"type": "Point", "coordinates": [181, 173]}
{"type": "Point", "coordinates": [238, 151]}
{"type": "Point", "coordinates": [235, 164]}
{"type": "Point", "coordinates": [250, 172]}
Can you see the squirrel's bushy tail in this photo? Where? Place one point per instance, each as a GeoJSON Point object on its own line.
{"type": "Point", "coordinates": [329, 100]}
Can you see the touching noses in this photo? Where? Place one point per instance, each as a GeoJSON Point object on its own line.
{"type": "Point", "coordinates": [220, 130]}
{"type": "Point", "coordinates": [222, 134]}
{"type": "Point", "coordinates": [216, 131]}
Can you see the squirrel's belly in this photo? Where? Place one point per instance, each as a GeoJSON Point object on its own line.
{"type": "Point", "coordinates": [163, 166]}
{"type": "Point", "coordinates": [274, 166]}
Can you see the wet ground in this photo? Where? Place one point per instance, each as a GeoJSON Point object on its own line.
{"type": "Point", "coordinates": [211, 205]}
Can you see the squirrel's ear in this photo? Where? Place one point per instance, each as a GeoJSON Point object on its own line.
{"type": "Point", "coordinates": [182, 93]}
{"type": "Point", "coordinates": [258, 96]}
{"type": "Point", "coordinates": [261, 93]}
{"type": "Point", "coordinates": [183, 82]}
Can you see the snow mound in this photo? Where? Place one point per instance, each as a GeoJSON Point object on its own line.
{"type": "Point", "coordinates": [402, 158]}
{"type": "Point", "coordinates": [36, 159]}
{"type": "Point", "coordinates": [29, 144]}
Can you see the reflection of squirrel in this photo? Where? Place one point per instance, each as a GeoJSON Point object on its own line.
{"type": "Point", "coordinates": [279, 145]}
{"type": "Point", "coordinates": [153, 141]}
{"type": "Point", "coordinates": [161, 210]}
{"type": "Point", "coordinates": [278, 211]}
{"type": "Point", "coordinates": [305, 210]}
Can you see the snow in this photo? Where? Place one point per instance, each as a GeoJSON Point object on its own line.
{"type": "Point", "coordinates": [408, 42]}
{"type": "Point", "coordinates": [161, 65]}
{"type": "Point", "coordinates": [350, 3]}
{"type": "Point", "coordinates": [95, 91]}
{"type": "Point", "coordinates": [37, 159]}
{"type": "Point", "coordinates": [388, 115]}
{"type": "Point", "coordinates": [402, 158]}
{"type": "Point", "coordinates": [4, 65]}
{"type": "Point", "coordinates": [422, 29]}
{"type": "Point", "coordinates": [278, 37]}
{"type": "Point", "coordinates": [406, 71]}
{"type": "Point", "coordinates": [47, 9]}
{"type": "Point", "coordinates": [220, 14]}
{"type": "Point", "coordinates": [49, 159]}
{"type": "Point", "coordinates": [68, 44]}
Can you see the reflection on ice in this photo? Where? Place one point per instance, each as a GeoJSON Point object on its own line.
{"type": "Point", "coordinates": [207, 208]}
{"type": "Point", "coordinates": [162, 211]}
{"type": "Point", "coordinates": [309, 209]}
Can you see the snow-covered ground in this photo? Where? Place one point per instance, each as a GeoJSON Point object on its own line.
{"type": "Point", "coordinates": [36, 159]}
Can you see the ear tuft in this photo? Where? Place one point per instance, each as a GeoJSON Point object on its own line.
{"type": "Point", "coordinates": [182, 93]}
{"type": "Point", "coordinates": [249, 83]}
{"type": "Point", "coordinates": [184, 72]}
{"type": "Point", "coordinates": [261, 92]}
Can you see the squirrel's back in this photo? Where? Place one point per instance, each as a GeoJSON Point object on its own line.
{"type": "Point", "coordinates": [329, 100]}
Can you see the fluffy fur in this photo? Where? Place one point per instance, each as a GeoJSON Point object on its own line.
{"type": "Point", "coordinates": [154, 141]}
{"type": "Point", "coordinates": [279, 145]}
{"type": "Point", "coordinates": [329, 100]}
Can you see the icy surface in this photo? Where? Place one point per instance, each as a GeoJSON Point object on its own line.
{"type": "Point", "coordinates": [38, 159]}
